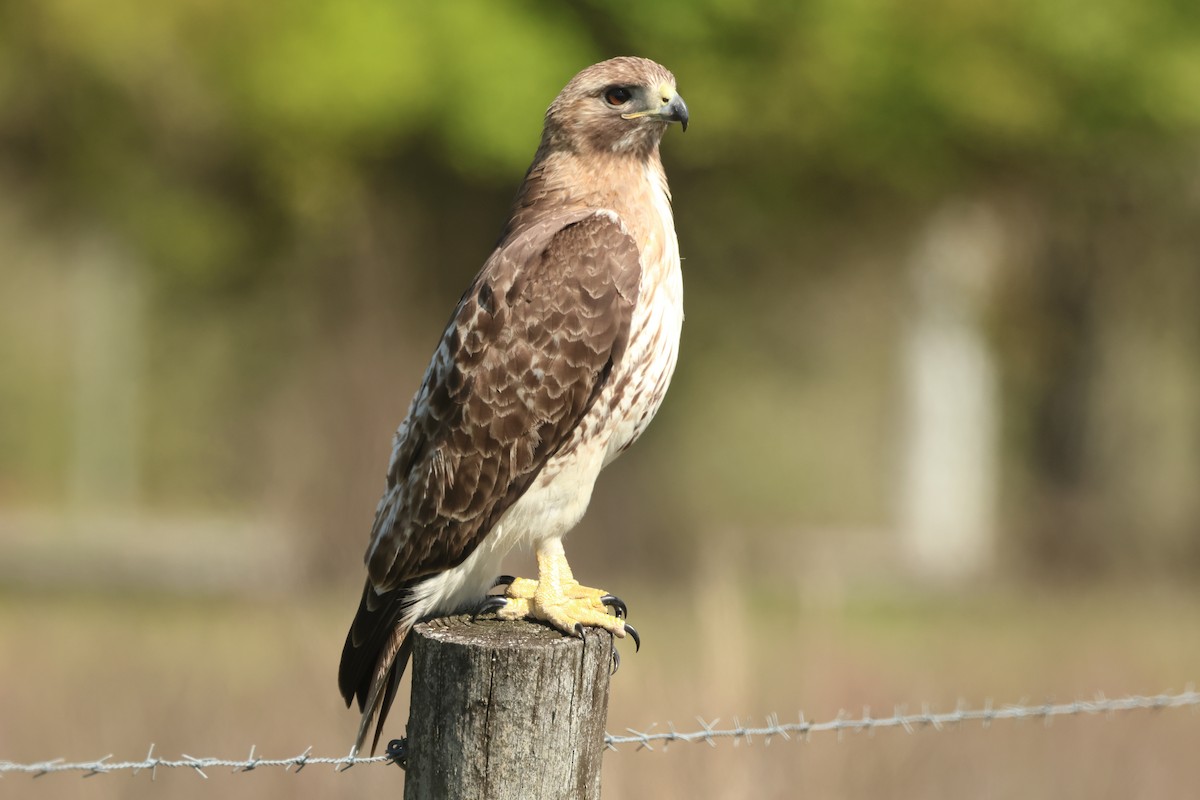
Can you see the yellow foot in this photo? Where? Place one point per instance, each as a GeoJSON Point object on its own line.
{"type": "Point", "coordinates": [571, 609]}
{"type": "Point", "coordinates": [559, 600]}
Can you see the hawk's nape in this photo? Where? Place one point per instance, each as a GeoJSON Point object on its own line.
{"type": "Point", "coordinates": [555, 360]}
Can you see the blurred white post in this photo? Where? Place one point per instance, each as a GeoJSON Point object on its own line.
{"type": "Point", "coordinates": [108, 336]}
{"type": "Point", "coordinates": [950, 459]}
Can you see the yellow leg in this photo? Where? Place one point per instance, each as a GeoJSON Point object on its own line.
{"type": "Point", "coordinates": [557, 598]}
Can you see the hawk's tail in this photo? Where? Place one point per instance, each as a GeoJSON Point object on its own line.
{"type": "Point", "coordinates": [374, 657]}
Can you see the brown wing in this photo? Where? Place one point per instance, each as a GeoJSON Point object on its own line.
{"type": "Point", "coordinates": [525, 355]}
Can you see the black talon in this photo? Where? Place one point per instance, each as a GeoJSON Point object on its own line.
{"type": "Point", "coordinates": [492, 602]}
{"type": "Point", "coordinates": [637, 640]}
{"type": "Point", "coordinates": [503, 580]}
{"type": "Point", "coordinates": [617, 604]}
{"type": "Point", "coordinates": [580, 632]}
{"type": "Point", "coordinates": [616, 661]}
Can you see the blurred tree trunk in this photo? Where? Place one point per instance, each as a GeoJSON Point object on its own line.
{"type": "Point", "coordinates": [1063, 297]}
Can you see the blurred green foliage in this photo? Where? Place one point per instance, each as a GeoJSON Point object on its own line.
{"type": "Point", "coordinates": [191, 126]}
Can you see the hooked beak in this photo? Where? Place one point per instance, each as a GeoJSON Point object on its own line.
{"type": "Point", "coordinates": [676, 111]}
{"type": "Point", "coordinates": [673, 109]}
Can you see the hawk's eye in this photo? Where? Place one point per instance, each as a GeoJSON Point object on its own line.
{"type": "Point", "coordinates": [617, 95]}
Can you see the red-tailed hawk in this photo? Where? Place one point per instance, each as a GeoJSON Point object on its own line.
{"type": "Point", "coordinates": [553, 363]}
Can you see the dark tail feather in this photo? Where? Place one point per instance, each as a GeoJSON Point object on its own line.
{"type": "Point", "coordinates": [390, 683]}
{"type": "Point", "coordinates": [374, 657]}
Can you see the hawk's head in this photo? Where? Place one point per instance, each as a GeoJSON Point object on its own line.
{"type": "Point", "coordinates": [622, 105]}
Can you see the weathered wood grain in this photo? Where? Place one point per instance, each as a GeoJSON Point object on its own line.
{"type": "Point", "coordinates": [506, 710]}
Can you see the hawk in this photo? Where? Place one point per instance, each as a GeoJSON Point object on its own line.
{"type": "Point", "coordinates": [553, 363]}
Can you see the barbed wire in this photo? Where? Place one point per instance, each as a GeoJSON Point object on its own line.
{"type": "Point", "coordinates": [153, 763]}
{"type": "Point", "coordinates": [709, 733]}
{"type": "Point", "coordinates": [926, 718]}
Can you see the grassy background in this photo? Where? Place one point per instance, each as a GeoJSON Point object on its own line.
{"type": "Point", "coordinates": [84, 676]}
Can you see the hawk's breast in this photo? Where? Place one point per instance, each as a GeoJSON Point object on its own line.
{"type": "Point", "coordinates": [640, 381]}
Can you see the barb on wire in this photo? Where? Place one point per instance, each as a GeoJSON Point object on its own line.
{"type": "Point", "coordinates": [709, 733]}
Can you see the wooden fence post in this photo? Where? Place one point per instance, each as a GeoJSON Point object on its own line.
{"type": "Point", "coordinates": [506, 710]}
